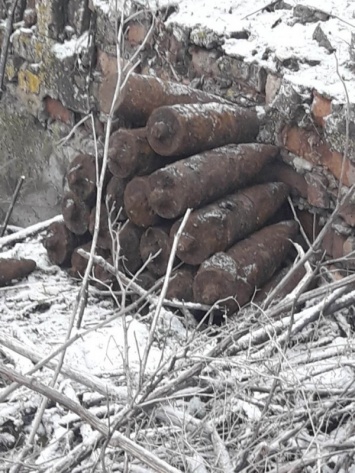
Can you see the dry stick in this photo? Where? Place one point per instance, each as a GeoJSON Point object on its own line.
{"type": "Point", "coordinates": [5, 44]}
{"type": "Point", "coordinates": [311, 250]}
{"type": "Point", "coordinates": [77, 312]}
{"type": "Point", "coordinates": [163, 293]}
{"type": "Point", "coordinates": [12, 205]}
{"type": "Point", "coordinates": [80, 334]}
{"type": "Point", "coordinates": [139, 290]}
{"type": "Point", "coordinates": [82, 377]}
{"type": "Point", "coordinates": [117, 439]}
{"type": "Point", "coordinates": [29, 231]}
{"type": "Point", "coordinates": [339, 203]}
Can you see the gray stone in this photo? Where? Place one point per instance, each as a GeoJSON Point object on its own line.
{"type": "Point", "coordinates": [306, 14]}
{"type": "Point", "coordinates": [206, 38]}
{"type": "Point", "coordinates": [51, 18]}
{"type": "Point", "coordinates": [79, 15]}
{"type": "Point", "coordinates": [322, 39]}
{"type": "Point", "coordinates": [287, 101]}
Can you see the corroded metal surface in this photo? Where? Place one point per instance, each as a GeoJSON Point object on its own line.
{"type": "Point", "coordinates": [129, 239]}
{"type": "Point", "coordinates": [142, 94]}
{"type": "Point", "coordinates": [156, 244]}
{"type": "Point", "coordinates": [217, 226]}
{"type": "Point", "coordinates": [137, 204]}
{"type": "Point", "coordinates": [180, 285]}
{"type": "Point", "coordinates": [236, 274]}
{"type": "Point", "coordinates": [201, 179]}
{"type": "Point", "coordinates": [11, 269]}
{"type": "Point", "coordinates": [76, 213]}
{"type": "Point", "coordinates": [192, 128]}
{"type": "Point", "coordinates": [114, 198]}
{"type": "Point", "coordinates": [60, 243]}
{"type": "Point", "coordinates": [81, 177]}
{"type": "Point", "coordinates": [130, 154]}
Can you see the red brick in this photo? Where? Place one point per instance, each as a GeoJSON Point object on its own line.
{"type": "Point", "coordinates": [56, 110]}
{"type": "Point", "coordinates": [309, 224]}
{"type": "Point", "coordinates": [349, 251]}
{"type": "Point", "coordinates": [136, 33]}
{"type": "Point", "coordinates": [284, 173]}
{"type": "Point", "coordinates": [106, 63]}
{"type": "Point", "coordinates": [311, 147]}
{"type": "Point", "coordinates": [347, 212]}
{"type": "Point", "coordinates": [317, 190]}
{"type": "Point", "coordinates": [333, 243]}
{"type": "Point", "coordinates": [203, 62]}
{"type": "Point", "coordinates": [321, 108]}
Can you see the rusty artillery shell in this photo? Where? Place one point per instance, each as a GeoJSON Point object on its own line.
{"type": "Point", "coordinates": [114, 198]}
{"type": "Point", "coordinates": [104, 239]}
{"type": "Point", "coordinates": [12, 269]}
{"type": "Point", "coordinates": [156, 239]}
{"type": "Point", "coordinates": [136, 202]}
{"type": "Point", "coordinates": [244, 267]}
{"type": "Point", "coordinates": [142, 94]}
{"type": "Point", "coordinates": [129, 240]}
{"type": "Point", "coordinates": [200, 179]}
{"type": "Point", "coordinates": [180, 286]}
{"type": "Point", "coordinates": [81, 176]}
{"type": "Point", "coordinates": [192, 128]}
{"type": "Point", "coordinates": [217, 226]}
{"type": "Point", "coordinates": [76, 213]}
{"type": "Point", "coordinates": [275, 280]}
{"type": "Point", "coordinates": [145, 280]}
{"type": "Point", "coordinates": [79, 263]}
{"type": "Point", "coordinates": [60, 243]}
{"type": "Point", "coordinates": [130, 154]}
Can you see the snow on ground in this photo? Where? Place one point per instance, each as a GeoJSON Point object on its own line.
{"type": "Point", "coordinates": [37, 312]}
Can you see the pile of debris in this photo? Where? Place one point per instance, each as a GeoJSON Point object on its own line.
{"type": "Point", "coordinates": [181, 149]}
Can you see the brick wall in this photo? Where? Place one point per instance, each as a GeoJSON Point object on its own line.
{"type": "Point", "coordinates": [59, 67]}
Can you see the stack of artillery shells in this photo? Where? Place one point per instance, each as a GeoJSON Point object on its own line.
{"type": "Point", "coordinates": [185, 149]}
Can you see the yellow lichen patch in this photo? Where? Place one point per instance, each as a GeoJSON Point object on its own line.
{"type": "Point", "coordinates": [29, 82]}
{"type": "Point", "coordinates": [10, 72]}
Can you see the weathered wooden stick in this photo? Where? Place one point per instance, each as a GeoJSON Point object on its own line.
{"type": "Point", "coordinates": [156, 241]}
{"type": "Point", "coordinates": [60, 243]}
{"type": "Point", "coordinates": [76, 213]}
{"type": "Point", "coordinates": [11, 269]}
{"type": "Point", "coordinates": [217, 226]}
{"type": "Point", "coordinates": [203, 178]}
{"type": "Point", "coordinates": [136, 203]}
{"type": "Point", "coordinates": [104, 239]}
{"type": "Point", "coordinates": [26, 232]}
{"type": "Point", "coordinates": [244, 267]}
{"type": "Point", "coordinates": [79, 264]}
{"type": "Point", "coordinates": [143, 94]}
{"type": "Point", "coordinates": [130, 154]}
{"type": "Point", "coordinates": [12, 205]}
{"type": "Point", "coordinates": [116, 439]}
{"type": "Point", "coordinates": [207, 126]}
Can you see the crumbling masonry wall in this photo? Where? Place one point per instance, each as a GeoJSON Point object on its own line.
{"type": "Point", "coordinates": [61, 58]}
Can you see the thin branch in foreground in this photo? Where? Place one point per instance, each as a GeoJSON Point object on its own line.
{"type": "Point", "coordinates": [12, 205]}
{"type": "Point", "coordinates": [163, 292]}
{"type": "Point", "coordinates": [29, 231]}
{"type": "Point", "coordinates": [117, 439]}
